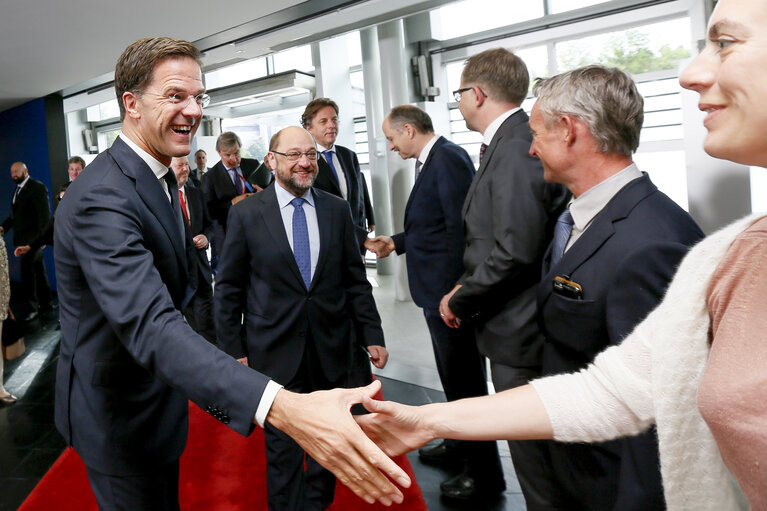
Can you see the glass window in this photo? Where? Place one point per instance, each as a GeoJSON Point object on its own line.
{"type": "Point", "coordinates": [471, 16]}
{"type": "Point", "coordinates": [357, 80]}
{"type": "Point", "coordinates": [655, 47]}
{"type": "Point", "coordinates": [668, 171]}
{"type": "Point", "coordinates": [354, 48]}
{"type": "Point", "coordinates": [103, 111]}
{"type": "Point", "coordinates": [537, 61]}
{"type": "Point", "coordinates": [556, 6]}
{"type": "Point", "coordinates": [236, 73]}
{"type": "Point", "coordinates": [299, 58]}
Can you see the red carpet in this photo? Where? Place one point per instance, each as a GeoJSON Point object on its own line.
{"type": "Point", "coordinates": [220, 470]}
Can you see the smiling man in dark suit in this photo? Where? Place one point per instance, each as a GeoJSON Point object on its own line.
{"type": "Point", "coordinates": [508, 219]}
{"type": "Point", "coordinates": [199, 311]}
{"type": "Point", "coordinates": [621, 242]}
{"type": "Point", "coordinates": [290, 265]}
{"type": "Point", "coordinates": [30, 212]}
{"type": "Point", "coordinates": [433, 241]}
{"type": "Point", "coordinates": [128, 361]}
{"type": "Point", "coordinates": [339, 168]}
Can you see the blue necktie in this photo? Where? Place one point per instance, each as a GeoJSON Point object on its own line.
{"type": "Point", "coordinates": [562, 231]}
{"type": "Point", "coordinates": [329, 158]}
{"type": "Point", "coordinates": [301, 250]}
{"type": "Point", "coordinates": [237, 181]}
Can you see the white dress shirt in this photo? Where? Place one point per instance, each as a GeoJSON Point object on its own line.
{"type": "Point", "coordinates": [492, 128]}
{"type": "Point", "coordinates": [286, 210]}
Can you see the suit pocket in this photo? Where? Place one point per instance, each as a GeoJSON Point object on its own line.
{"type": "Point", "coordinates": [119, 374]}
{"type": "Point", "coordinates": [576, 324]}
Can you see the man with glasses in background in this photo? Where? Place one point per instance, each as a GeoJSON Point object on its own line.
{"type": "Point", "coordinates": [128, 361]}
{"type": "Point", "coordinates": [292, 269]}
{"type": "Point", "coordinates": [508, 220]}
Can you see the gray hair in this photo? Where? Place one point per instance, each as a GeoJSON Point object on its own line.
{"type": "Point", "coordinates": [605, 99]}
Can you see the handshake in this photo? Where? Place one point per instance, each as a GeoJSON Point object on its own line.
{"type": "Point", "coordinates": [381, 246]}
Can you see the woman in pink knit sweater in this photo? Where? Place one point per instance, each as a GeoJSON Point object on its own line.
{"type": "Point", "coordinates": [697, 366]}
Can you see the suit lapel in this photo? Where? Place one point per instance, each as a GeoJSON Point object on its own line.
{"type": "Point", "coordinates": [325, 177]}
{"type": "Point", "coordinates": [425, 171]}
{"type": "Point", "coordinates": [325, 226]}
{"type": "Point", "coordinates": [272, 218]}
{"type": "Point", "coordinates": [600, 230]}
{"type": "Point", "coordinates": [152, 194]}
{"type": "Point", "coordinates": [226, 179]}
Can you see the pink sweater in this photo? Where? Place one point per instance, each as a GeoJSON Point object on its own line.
{"type": "Point", "coordinates": [732, 394]}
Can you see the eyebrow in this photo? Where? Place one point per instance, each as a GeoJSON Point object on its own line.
{"type": "Point", "coordinates": [726, 25]}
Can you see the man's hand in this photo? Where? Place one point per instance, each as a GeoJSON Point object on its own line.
{"type": "Point", "coordinates": [448, 317]}
{"type": "Point", "coordinates": [200, 241]}
{"type": "Point", "coordinates": [243, 360]}
{"type": "Point", "coordinates": [394, 427]}
{"type": "Point", "coordinates": [321, 423]}
{"type": "Point", "coordinates": [20, 251]}
{"type": "Point", "coordinates": [378, 356]}
{"type": "Point", "coordinates": [371, 227]}
{"type": "Point", "coordinates": [382, 246]}
{"type": "Point", "coordinates": [240, 197]}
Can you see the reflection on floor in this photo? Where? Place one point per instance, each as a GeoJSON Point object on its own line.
{"type": "Point", "coordinates": [29, 443]}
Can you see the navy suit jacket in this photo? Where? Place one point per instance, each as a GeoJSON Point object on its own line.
{"type": "Point", "coordinates": [128, 361]}
{"type": "Point", "coordinates": [508, 220]}
{"type": "Point", "coordinates": [200, 223]}
{"type": "Point", "coordinates": [433, 235]}
{"type": "Point", "coordinates": [623, 261]}
{"type": "Point", "coordinates": [258, 277]}
{"type": "Point", "coordinates": [355, 193]}
{"type": "Point", "coordinates": [219, 189]}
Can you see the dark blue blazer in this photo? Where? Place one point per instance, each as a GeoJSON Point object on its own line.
{"type": "Point", "coordinates": [128, 361]}
{"type": "Point", "coordinates": [258, 277]}
{"type": "Point", "coordinates": [354, 186]}
{"type": "Point", "coordinates": [623, 261]}
{"type": "Point", "coordinates": [200, 223]}
{"type": "Point", "coordinates": [433, 235]}
{"type": "Point", "coordinates": [219, 190]}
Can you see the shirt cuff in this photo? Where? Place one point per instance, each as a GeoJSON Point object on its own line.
{"type": "Point", "coordinates": [267, 398]}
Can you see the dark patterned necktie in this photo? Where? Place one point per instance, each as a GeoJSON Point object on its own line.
{"type": "Point", "coordinates": [301, 248]}
{"type": "Point", "coordinates": [562, 230]}
{"type": "Point", "coordinates": [482, 150]}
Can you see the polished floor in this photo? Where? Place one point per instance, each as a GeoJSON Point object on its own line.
{"type": "Point", "coordinates": [29, 443]}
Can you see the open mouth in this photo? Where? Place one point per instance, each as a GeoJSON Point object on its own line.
{"type": "Point", "coordinates": [182, 130]}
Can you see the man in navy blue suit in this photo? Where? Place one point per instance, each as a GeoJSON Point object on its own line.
{"type": "Point", "coordinates": [126, 267]}
{"type": "Point", "coordinates": [433, 241]}
{"type": "Point", "coordinates": [290, 266]}
{"type": "Point", "coordinates": [621, 241]}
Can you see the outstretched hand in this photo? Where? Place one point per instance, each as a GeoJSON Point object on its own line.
{"type": "Point", "coordinates": [381, 246]}
{"type": "Point", "coordinates": [394, 427]}
{"type": "Point", "coordinates": [322, 424]}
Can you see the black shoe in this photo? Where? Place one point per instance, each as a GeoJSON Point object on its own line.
{"type": "Point", "coordinates": [8, 400]}
{"type": "Point", "coordinates": [464, 488]}
{"type": "Point", "coordinates": [439, 454]}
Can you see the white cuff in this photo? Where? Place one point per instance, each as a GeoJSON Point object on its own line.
{"type": "Point", "coordinates": [267, 398]}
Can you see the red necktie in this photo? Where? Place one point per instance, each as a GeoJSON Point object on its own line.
{"type": "Point", "coordinates": [183, 206]}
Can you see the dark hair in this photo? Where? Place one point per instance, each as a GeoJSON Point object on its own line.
{"type": "Point", "coordinates": [136, 65]}
{"type": "Point", "coordinates": [499, 73]}
{"type": "Point", "coordinates": [226, 140]}
{"type": "Point", "coordinates": [313, 107]}
{"type": "Point", "coordinates": [409, 114]}
{"type": "Point", "coordinates": [200, 151]}
{"type": "Point", "coordinates": [77, 159]}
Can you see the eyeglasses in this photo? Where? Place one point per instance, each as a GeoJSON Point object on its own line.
{"type": "Point", "coordinates": [457, 93]}
{"type": "Point", "coordinates": [295, 156]}
{"type": "Point", "coordinates": [183, 99]}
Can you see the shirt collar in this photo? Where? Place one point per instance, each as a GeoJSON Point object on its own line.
{"type": "Point", "coordinates": [158, 168]}
{"type": "Point", "coordinates": [284, 197]}
{"type": "Point", "coordinates": [492, 128]}
{"type": "Point", "coordinates": [21, 185]}
{"type": "Point", "coordinates": [592, 201]}
{"type": "Point", "coordinates": [322, 149]}
{"type": "Point", "coordinates": [427, 149]}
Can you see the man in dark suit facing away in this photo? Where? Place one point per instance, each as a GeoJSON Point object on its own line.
{"type": "Point", "coordinates": [199, 311]}
{"type": "Point", "coordinates": [621, 241]}
{"type": "Point", "coordinates": [508, 218]}
{"type": "Point", "coordinates": [433, 241]}
{"type": "Point", "coordinates": [30, 212]}
{"type": "Point", "coordinates": [291, 266]}
{"type": "Point", "coordinates": [339, 168]}
{"type": "Point", "coordinates": [230, 180]}
{"type": "Point", "coordinates": [128, 361]}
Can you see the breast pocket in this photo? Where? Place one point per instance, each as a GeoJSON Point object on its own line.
{"type": "Point", "coordinates": [577, 324]}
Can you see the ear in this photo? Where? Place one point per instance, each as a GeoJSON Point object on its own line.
{"type": "Point", "coordinates": [410, 130]}
{"type": "Point", "coordinates": [130, 102]}
{"type": "Point", "coordinates": [270, 156]}
{"type": "Point", "coordinates": [479, 95]}
{"type": "Point", "coordinates": [569, 129]}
